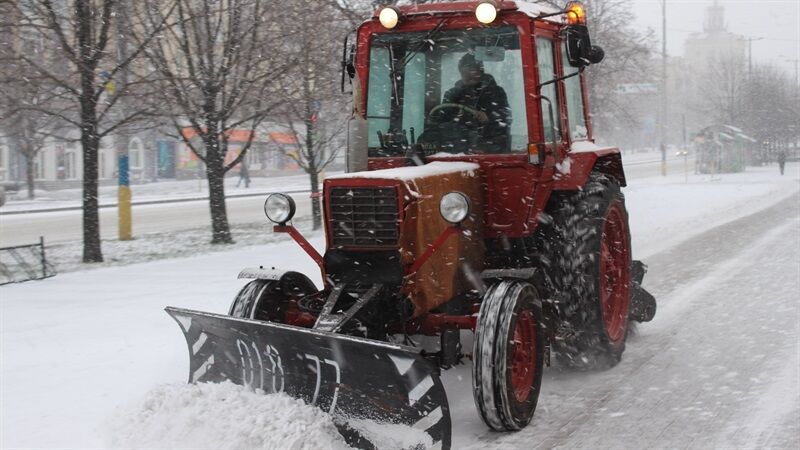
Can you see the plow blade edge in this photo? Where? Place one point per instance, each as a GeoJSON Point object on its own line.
{"type": "Point", "coordinates": [349, 377]}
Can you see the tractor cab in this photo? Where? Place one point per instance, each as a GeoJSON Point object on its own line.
{"type": "Point", "coordinates": [467, 78]}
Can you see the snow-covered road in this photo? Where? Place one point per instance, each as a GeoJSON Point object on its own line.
{"type": "Point", "coordinates": [718, 367]}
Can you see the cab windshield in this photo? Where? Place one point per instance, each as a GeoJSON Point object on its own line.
{"type": "Point", "coordinates": [455, 91]}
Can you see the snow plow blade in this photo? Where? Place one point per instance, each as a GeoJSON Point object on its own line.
{"type": "Point", "coordinates": [354, 379]}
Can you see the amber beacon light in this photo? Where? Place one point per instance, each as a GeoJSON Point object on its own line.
{"type": "Point", "coordinates": [576, 14]}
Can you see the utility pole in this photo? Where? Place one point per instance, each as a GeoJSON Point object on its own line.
{"type": "Point", "coordinates": [750, 54]}
{"type": "Point", "coordinates": [663, 125]}
{"type": "Point", "coordinates": [125, 218]}
{"type": "Point", "coordinates": [685, 151]}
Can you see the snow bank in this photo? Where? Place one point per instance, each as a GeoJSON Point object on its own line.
{"type": "Point", "coordinates": [221, 416]}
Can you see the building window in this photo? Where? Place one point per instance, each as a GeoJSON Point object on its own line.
{"type": "Point", "coordinates": [135, 154]}
{"type": "Point", "coordinates": [38, 166]}
{"type": "Point", "coordinates": [70, 168]}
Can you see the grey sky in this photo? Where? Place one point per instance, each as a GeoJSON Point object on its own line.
{"type": "Point", "coordinates": [776, 20]}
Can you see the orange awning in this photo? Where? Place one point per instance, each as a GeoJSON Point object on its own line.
{"type": "Point", "coordinates": [235, 135]}
{"type": "Point", "coordinates": [282, 138]}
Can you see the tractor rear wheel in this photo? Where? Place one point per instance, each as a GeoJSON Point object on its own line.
{"type": "Point", "coordinates": [508, 355]}
{"type": "Point", "coordinates": [591, 274]}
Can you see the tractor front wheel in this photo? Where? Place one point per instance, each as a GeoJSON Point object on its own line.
{"type": "Point", "coordinates": [257, 300]}
{"type": "Point", "coordinates": [508, 355]}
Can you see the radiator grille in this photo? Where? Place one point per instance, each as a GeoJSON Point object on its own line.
{"type": "Point", "coordinates": [364, 216]}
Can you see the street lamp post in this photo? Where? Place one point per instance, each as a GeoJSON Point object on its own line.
{"type": "Point", "coordinates": [663, 110]}
{"type": "Point", "coordinates": [750, 54]}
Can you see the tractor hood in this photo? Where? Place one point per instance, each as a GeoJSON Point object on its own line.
{"type": "Point", "coordinates": [395, 213]}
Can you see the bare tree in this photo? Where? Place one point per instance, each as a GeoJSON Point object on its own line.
{"type": "Point", "coordinates": [79, 34]}
{"type": "Point", "coordinates": [217, 67]}
{"type": "Point", "coordinates": [26, 131]}
{"type": "Point", "coordinates": [771, 112]}
{"type": "Point", "coordinates": [313, 98]}
{"type": "Point", "coordinates": [627, 60]}
{"type": "Point", "coordinates": [723, 87]}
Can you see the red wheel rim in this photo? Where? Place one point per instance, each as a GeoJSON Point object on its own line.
{"type": "Point", "coordinates": [523, 358]}
{"type": "Point", "coordinates": [615, 274]}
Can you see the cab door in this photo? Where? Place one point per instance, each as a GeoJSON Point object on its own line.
{"type": "Point", "coordinates": [551, 109]}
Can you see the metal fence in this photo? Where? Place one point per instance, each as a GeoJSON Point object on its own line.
{"type": "Point", "coordinates": [23, 263]}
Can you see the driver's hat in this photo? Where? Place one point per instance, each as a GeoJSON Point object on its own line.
{"type": "Point", "coordinates": [468, 61]}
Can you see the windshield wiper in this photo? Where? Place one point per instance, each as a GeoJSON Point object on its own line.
{"type": "Point", "coordinates": [396, 68]}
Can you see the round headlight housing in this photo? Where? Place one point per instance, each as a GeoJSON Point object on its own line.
{"type": "Point", "coordinates": [454, 207]}
{"type": "Point", "coordinates": [389, 17]}
{"type": "Point", "coordinates": [486, 12]}
{"type": "Point", "coordinates": [279, 208]}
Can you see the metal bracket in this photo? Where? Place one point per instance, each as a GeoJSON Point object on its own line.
{"type": "Point", "coordinates": [333, 322]}
{"type": "Point", "coordinates": [522, 274]}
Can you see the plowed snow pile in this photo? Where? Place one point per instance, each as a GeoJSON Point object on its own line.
{"type": "Point", "coordinates": [222, 416]}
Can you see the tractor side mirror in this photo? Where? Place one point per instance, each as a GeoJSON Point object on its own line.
{"type": "Point", "coordinates": [580, 51]}
{"type": "Point", "coordinates": [348, 60]}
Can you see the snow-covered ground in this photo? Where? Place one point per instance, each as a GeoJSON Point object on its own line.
{"type": "Point", "coordinates": [87, 359]}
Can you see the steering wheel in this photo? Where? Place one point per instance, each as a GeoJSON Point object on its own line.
{"type": "Point", "coordinates": [461, 108]}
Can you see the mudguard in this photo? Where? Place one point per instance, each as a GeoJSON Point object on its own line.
{"type": "Point", "coordinates": [349, 377]}
{"type": "Point", "coordinates": [643, 304]}
{"type": "Point", "coordinates": [574, 171]}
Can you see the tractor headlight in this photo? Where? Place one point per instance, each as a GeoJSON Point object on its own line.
{"type": "Point", "coordinates": [454, 207]}
{"type": "Point", "coordinates": [486, 12]}
{"type": "Point", "coordinates": [279, 208]}
{"type": "Point", "coordinates": [389, 17]}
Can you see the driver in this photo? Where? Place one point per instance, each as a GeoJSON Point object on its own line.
{"type": "Point", "coordinates": [478, 90]}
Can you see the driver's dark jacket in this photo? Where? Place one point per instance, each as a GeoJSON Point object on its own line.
{"type": "Point", "coordinates": [489, 97]}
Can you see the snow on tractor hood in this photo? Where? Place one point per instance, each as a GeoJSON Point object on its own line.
{"type": "Point", "coordinates": [413, 172]}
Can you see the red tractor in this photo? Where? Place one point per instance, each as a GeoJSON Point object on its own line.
{"type": "Point", "coordinates": [475, 200]}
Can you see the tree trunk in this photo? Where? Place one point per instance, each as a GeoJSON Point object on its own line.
{"type": "Point", "coordinates": [316, 209]}
{"type": "Point", "coordinates": [215, 173]}
{"type": "Point", "coordinates": [90, 141]}
{"type": "Point", "coordinates": [29, 174]}
{"type": "Point", "coordinates": [313, 170]}
{"type": "Point", "coordinates": [92, 251]}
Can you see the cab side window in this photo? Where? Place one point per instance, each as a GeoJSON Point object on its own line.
{"type": "Point", "coordinates": [547, 72]}
{"type": "Point", "coordinates": [572, 86]}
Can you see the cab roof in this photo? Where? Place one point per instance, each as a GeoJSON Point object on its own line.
{"type": "Point", "coordinates": [530, 8]}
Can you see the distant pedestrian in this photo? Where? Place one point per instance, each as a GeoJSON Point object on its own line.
{"type": "Point", "coordinates": [782, 160]}
{"type": "Point", "coordinates": [244, 175]}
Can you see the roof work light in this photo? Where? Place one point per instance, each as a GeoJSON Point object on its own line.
{"type": "Point", "coordinates": [576, 14]}
{"type": "Point", "coordinates": [486, 11]}
{"type": "Point", "coordinates": [389, 17]}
